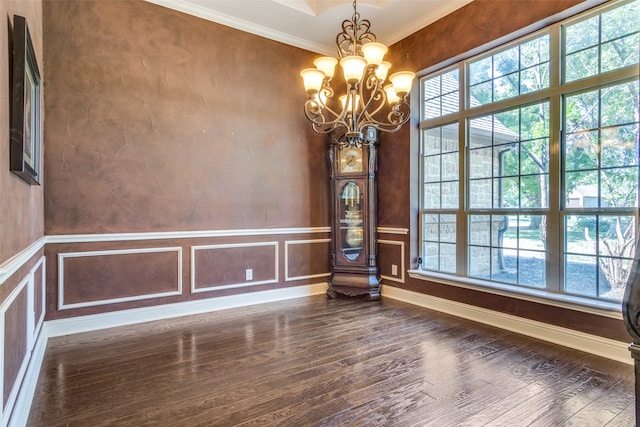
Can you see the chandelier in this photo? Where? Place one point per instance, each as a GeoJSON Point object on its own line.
{"type": "Point", "coordinates": [367, 99]}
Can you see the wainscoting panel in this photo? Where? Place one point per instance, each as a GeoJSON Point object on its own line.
{"type": "Point", "coordinates": [15, 334]}
{"type": "Point", "coordinates": [21, 319]}
{"type": "Point", "coordinates": [102, 273]}
{"type": "Point", "coordinates": [391, 253]}
{"type": "Point", "coordinates": [306, 259]}
{"type": "Point", "coordinates": [110, 276]}
{"type": "Point", "coordinates": [38, 301]}
{"type": "Point", "coordinates": [233, 265]}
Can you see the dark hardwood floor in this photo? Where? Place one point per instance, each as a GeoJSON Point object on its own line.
{"type": "Point", "coordinates": [319, 362]}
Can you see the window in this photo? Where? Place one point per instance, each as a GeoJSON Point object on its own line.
{"type": "Point", "coordinates": [508, 73]}
{"type": "Point", "coordinates": [530, 163]}
{"type": "Point", "coordinates": [601, 43]}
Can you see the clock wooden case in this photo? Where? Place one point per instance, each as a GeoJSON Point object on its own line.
{"type": "Point", "coordinates": [354, 268]}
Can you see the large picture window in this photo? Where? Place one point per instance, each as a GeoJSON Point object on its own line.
{"type": "Point", "coordinates": [530, 163]}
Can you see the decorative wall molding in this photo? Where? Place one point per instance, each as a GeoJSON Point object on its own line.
{"type": "Point", "coordinates": [22, 406]}
{"type": "Point", "coordinates": [62, 256]}
{"type": "Point", "coordinates": [95, 322]}
{"type": "Point", "coordinates": [287, 243]}
{"type": "Point", "coordinates": [10, 266]}
{"type": "Point", "coordinates": [391, 230]}
{"type": "Point", "coordinates": [604, 347]}
{"type": "Point", "coordinates": [194, 249]}
{"type": "Point", "coordinates": [119, 237]}
{"type": "Point", "coordinates": [33, 327]}
{"type": "Point", "coordinates": [402, 269]}
{"type": "Point", "coordinates": [5, 411]}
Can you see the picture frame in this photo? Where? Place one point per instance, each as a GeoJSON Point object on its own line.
{"type": "Point", "coordinates": [25, 138]}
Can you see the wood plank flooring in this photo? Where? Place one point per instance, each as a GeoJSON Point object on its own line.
{"type": "Point", "coordinates": [318, 362]}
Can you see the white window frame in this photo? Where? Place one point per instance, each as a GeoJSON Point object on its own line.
{"type": "Point", "coordinates": [554, 94]}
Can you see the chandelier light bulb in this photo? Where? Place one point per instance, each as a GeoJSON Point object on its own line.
{"type": "Point", "coordinates": [392, 96]}
{"type": "Point", "coordinates": [353, 67]}
{"type": "Point", "coordinates": [374, 52]}
{"type": "Point", "coordinates": [402, 81]}
{"type": "Point", "coordinates": [349, 105]}
{"type": "Point", "coordinates": [313, 79]}
{"type": "Point", "coordinates": [382, 70]}
{"type": "Point", "coordinates": [327, 65]}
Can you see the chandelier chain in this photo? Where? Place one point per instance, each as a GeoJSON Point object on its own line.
{"type": "Point", "coordinates": [356, 15]}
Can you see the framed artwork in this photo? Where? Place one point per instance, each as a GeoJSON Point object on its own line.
{"type": "Point", "coordinates": [25, 106]}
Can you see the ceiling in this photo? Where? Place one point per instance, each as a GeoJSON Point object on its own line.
{"type": "Point", "coordinates": [314, 24]}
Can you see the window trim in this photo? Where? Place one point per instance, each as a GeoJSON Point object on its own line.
{"type": "Point", "coordinates": [584, 305]}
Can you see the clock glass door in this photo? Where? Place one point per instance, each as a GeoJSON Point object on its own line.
{"type": "Point", "coordinates": [351, 231]}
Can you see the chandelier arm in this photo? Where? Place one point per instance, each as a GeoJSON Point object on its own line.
{"type": "Point", "coordinates": [337, 117]}
{"type": "Point", "coordinates": [328, 92]}
{"type": "Point", "coordinates": [374, 94]}
{"type": "Point", "coordinates": [316, 108]}
{"type": "Point", "coordinates": [397, 117]}
{"type": "Point", "coordinates": [385, 127]}
{"type": "Point", "coordinates": [401, 109]}
{"type": "Point", "coordinates": [380, 103]}
{"type": "Point", "coordinates": [324, 127]}
{"type": "Point", "coordinates": [319, 122]}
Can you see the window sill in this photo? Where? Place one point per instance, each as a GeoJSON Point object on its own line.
{"type": "Point", "coordinates": [585, 305]}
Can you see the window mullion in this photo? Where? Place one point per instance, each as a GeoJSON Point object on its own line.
{"type": "Point", "coordinates": [461, 217]}
{"type": "Point", "coordinates": [554, 230]}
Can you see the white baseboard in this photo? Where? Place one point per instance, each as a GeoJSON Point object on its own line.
{"type": "Point", "coordinates": [74, 325]}
{"type": "Point", "coordinates": [611, 349]}
{"type": "Point", "coordinates": [22, 405]}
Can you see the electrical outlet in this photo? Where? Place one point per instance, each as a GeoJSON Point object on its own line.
{"type": "Point", "coordinates": [394, 270]}
{"type": "Point", "coordinates": [249, 274]}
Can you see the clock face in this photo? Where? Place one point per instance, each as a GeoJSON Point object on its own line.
{"type": "Point", "coordinates": [351, 160]}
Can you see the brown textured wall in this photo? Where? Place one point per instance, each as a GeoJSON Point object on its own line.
{"type": "Point", "coordinates": [21, 212]}
{"type": "Point", "coordinates": [160, 121]}
{"type": "Point", "coordinates": [474, 25]}
{"type": "Point", "coordinates": [21, 205]}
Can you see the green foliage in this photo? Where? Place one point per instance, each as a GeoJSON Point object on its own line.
{"type": "Point", "coordinates": [603, 43]}
{"type": "Point", "coordinates": [601, 145]}
{"type": "Point", "coordinates": [527, 157]}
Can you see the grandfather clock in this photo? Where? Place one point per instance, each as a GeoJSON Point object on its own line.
{"type": "Point", "coordinates": [354, 268]}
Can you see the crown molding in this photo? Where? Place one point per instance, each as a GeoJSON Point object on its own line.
{"type": "Point", "coordinates": [241, 24]}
